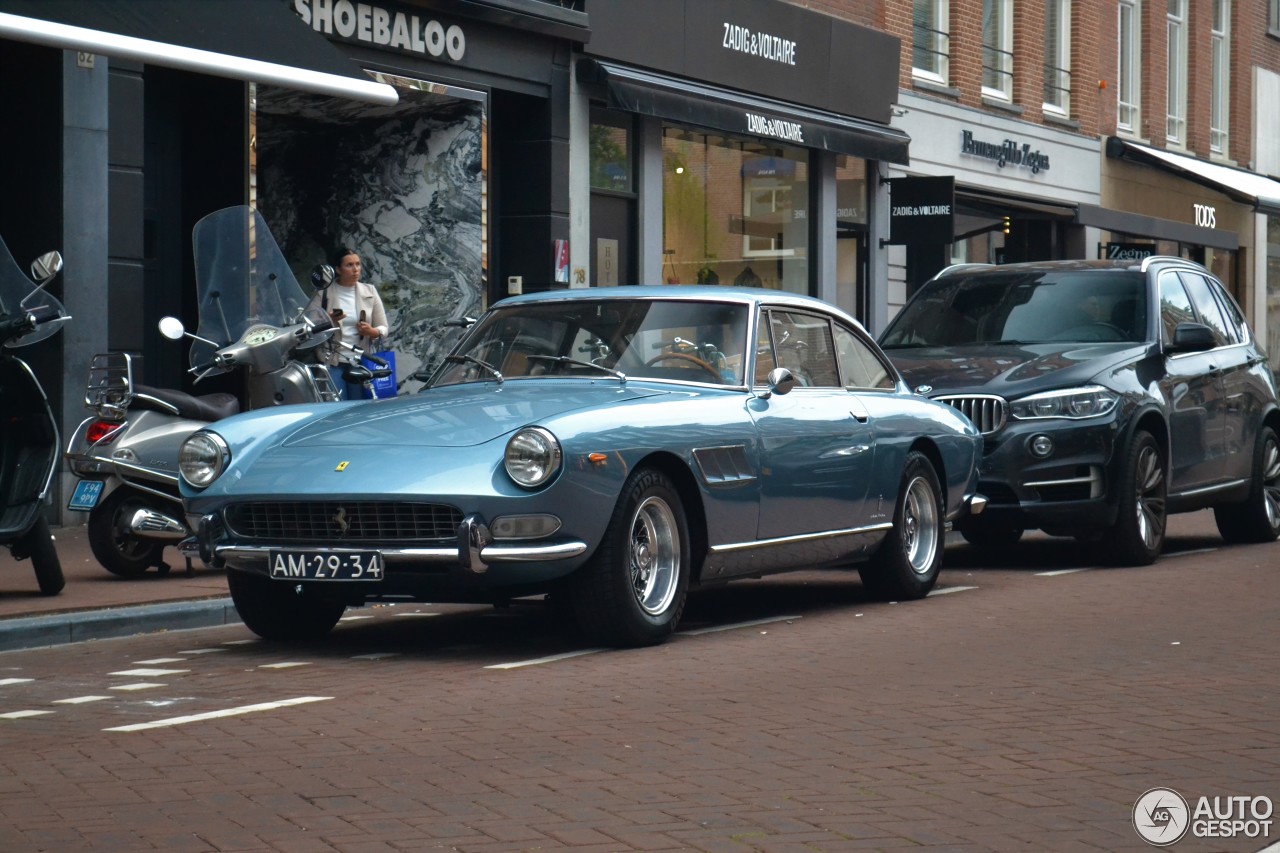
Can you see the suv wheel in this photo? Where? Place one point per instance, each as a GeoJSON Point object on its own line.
{"type": "Point", "coordinates": [1138, 533]}
{"type": "Point", "coordinates": [1258, 518]}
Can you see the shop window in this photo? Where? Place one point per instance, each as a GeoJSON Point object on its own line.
{"type": "Point", "coordinates": [930, 42]}
{"type": "Point", "coordinates": [1176, 122]}
{"type": "Point", "coordinates": [1128, 72]}
{"type": "Point", "coordinates": [1057, 56]}
{"type": "Point", "coordinates": [1219, 75]}
{"type": "Point", "coordinates": [997, 49]}
{"type": "Point", "coordinates": [1271, 331]}
{"type": "Point", "coordinates": [735, 211]}
{"type": "Point", "coordinates": [610, 147]}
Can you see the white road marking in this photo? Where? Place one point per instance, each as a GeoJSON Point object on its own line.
{"type": "Point", "coordinates": [232, 643]}
{"type": "Point", "coordinates": [551, 659]}
{"type": "Point", "coordinates": [416, 613]}
{"type": "Point", "coordinates": [158, 661]}
{"type": "Point", "coordinates": [736, 625]}
{"type": "Point", "coordinates": [213, 715]}
{"type": "Point", "coordinates": [5, 682]}
{"type": "Point", "coordinates": [1189, 553]}
{"type": "Point", "coordinates": [376, 656]}
{"type": "Point", "coordinates": [285, 664]}
{"type": "Point", "coordinates": [1057, 572]}
{"type": "Point", "coordinates": [18, 715]}
{"type": "Point", "coordinates": [212, 651]}
{"type": "Point", "coordinates": [141, 685]}
{"type": "Point", "coordinates": [353, 618]}
{"type": "Point", "coordinates": [149, 673]}
{"type": "Point", "coordinates": [79, 700]}
{"type": "Point", "coordinates": [949, 589]}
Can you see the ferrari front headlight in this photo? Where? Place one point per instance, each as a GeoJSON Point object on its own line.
{"type": "Point", "coordinates": [202, 458]}
{"type": "Point", "coordinates": [532, 457]}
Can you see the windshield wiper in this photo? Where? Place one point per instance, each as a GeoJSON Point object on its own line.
{"type": "Point", "coordinates": [471, 359]}
{"type": "Point", "coordinates": [564, 359]}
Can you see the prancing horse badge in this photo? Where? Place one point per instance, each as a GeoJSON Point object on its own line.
{"type": "Point", "coordinates": [342, 466]}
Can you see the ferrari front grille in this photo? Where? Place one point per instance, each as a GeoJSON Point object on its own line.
{"type": "Point", "coordinates": [345, 521]}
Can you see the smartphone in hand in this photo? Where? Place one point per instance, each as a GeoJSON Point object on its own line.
{"type": "Point", "coordinates": [337, 313]}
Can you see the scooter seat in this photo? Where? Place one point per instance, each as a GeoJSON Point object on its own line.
{"type": "Point", "coordinates": [207, 407]}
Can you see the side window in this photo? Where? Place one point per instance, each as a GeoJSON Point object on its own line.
{"type": "Point", "coordinates": [1175, 305]}
{"type": "Point", "coordinates": [802, 344]}
{"type": "Point", "coordinates": [1235, 319]}
{"type": "Point", "coordinates": [1207, 307]}
{"type": "Point", "coordinates": [858, 364]}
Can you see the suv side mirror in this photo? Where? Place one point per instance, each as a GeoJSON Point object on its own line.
{"type": "Point", "coordinates": [1192, 337]}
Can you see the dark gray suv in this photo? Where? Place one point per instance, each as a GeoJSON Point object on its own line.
{"type": "Point", "coordinates": [1109, 393]}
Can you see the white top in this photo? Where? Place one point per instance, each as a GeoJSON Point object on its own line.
{"type": "Point", "coordinates": [347, 302]}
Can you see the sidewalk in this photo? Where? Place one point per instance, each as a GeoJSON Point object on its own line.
{"type": "Point", "coordinates": [96, 604]}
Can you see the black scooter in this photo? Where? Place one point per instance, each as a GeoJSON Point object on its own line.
{"type": "Point", "coordinates": [29, 445]}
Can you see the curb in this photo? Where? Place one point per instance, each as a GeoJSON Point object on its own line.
{"type": "Point", "coordinates": [78, 626]}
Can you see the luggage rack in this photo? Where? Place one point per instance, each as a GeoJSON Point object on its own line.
{"type": "Point", "coordinates": [110, 386]}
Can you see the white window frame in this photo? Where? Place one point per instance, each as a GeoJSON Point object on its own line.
{"type": "Point", "coordinates": [1175, 130]}
{"type": "Point", "coordinates": [941, 12]}
{"type": "Point", "coordinates": [1059, 74]}
{"type": "Point", "coordinates": [1273, 17]}
{"type": "Point", "coordinates": [1129, 67]}
{"type": "Point", "coordinates": [1002, 43]}
{"type": "Point", "coordinates": [1220, 78]}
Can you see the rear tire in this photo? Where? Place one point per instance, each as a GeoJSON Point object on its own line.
{"type": "Point", "coordinates": [633, 590]}
{"type": "Point", "coordinates": [1257, 519]}
{"type": "Point", "coordinates": [114, 545]}
{"type": "Point", "coordinates": [274, 610]}
{"type": "Point", "coordinates": [1137, 536]}
{"type": "Point", "coordinates": [907, 563]}
{"type": "Point", "coordinates": [37, 543]}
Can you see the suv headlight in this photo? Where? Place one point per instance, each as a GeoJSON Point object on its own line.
{"type": "Point", "coordinates": [1090, 401]}
{"type": "Point", "coordinates": [532, 457]}
{"type": "Point", "coordinates": [202, 458]}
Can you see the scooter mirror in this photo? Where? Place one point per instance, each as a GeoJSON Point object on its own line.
{"type": "Point", "coordinates": [172, 328]}
{"type": "Point", "coordinates": [46, 266]}
{"type": "Point", "coordinates": [322, 275]}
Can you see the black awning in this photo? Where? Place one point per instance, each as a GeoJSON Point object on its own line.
{"type": "Point", "coordinates": [684, 101]}
{"type": "Point", "coordinates": [259, 40]}
{"type": "Point", "coordinates": [1119, 221]}
{"type": "Point", "coordinates": [1242, 185]}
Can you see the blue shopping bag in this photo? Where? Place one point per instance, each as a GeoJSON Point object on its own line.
{"type": "Point", "coordinates": [383, 386]}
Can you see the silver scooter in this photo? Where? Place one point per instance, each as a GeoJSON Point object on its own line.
{"type": "Point", "coordinates": [253, 316]}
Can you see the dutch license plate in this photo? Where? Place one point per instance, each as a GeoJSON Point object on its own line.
{"type": "Point", "coordinates": [325, 565]}
{"type": "Point", "coordinates": [86, 495]}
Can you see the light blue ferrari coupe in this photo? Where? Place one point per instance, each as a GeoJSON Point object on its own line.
{"type": "Point", "coordinates": [614, 446]}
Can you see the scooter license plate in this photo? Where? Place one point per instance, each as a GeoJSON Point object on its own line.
{"type": "Point", "coordinates": [86, 494]}
{"type": "Point", "coordinates": [325, 565]}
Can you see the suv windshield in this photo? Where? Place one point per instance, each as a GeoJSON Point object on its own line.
{"type": "Point", "coordinates": [647, 339]}
{"type": "Point", "coordinates": [1024, 307]}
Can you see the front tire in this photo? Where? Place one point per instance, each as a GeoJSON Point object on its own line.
{"type": "Point", "coordinates": [37, 543]}
{"type": "Point", "coordinates": [1257, 519]}
{"type": "Point", "coordinates": [1137, 536]}
{"type": "Point", "coordinates": [274, 610]}
{"type": "Point", "coordinates": [907, 563]}
{"type": "Point", "coordinates": [633, 590]}
{"type": "Point", "coordinates": [121, 551]}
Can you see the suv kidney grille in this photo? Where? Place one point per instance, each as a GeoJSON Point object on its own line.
{"type": "Point", "coordinates": [986, 411]}
{"type": "Point", "coordinates": [347, 521]}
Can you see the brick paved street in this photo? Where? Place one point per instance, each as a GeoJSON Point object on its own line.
{"type": "Point", "coordinates": [1028, 711]}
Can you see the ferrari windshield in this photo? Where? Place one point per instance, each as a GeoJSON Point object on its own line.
{"type": "Point", "coordinates": [18, 294]}
{"type": "Point", "coordinates": [242, 279]}
{"type": "Point", "coordinates": [675, 340]}
{"type": "Point", "coordinates": [1021, 307]}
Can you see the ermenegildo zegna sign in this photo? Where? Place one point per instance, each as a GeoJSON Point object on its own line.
{"type": "Point", "coordinates": [767, 47]}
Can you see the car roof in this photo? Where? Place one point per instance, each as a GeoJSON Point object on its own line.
{"type": "Point", "coordinates": [691, 292]}
{"type": "Point", "coordinates": [1137, 265]}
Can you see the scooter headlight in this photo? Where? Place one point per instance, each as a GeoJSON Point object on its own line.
{"type": "Point", "coordinates": [202, 458]}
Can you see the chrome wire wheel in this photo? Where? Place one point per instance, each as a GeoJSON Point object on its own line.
{"type": "Point", "coordinates": [920, 526]}
{"type": "Point", "coordinates": [1150, 496]}
{"type": "Point", "coordinates": [654, 556]}
{"type": "Point", "coordinates": [1271, 479]}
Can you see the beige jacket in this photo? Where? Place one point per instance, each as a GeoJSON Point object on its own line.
{"type": "Point", "coordinates": [368, 301]}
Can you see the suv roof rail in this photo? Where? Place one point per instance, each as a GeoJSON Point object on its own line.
{"type": "Point", "coordinates": [958, 268]}
{"type": "Point", "coordinates": [1170, 259]}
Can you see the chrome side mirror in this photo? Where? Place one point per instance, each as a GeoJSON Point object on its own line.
{"type": "Point", "coordinates": [781, 380]}
{"type": "Point", "coordinates": [172, 328]}
{"type": "Point", "coordinates": [322, 275]}
{"type": "Point", "coordinates": [46, 266]}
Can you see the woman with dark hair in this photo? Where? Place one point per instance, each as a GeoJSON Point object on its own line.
{"type": "Point", "coordinates": [356, 309]}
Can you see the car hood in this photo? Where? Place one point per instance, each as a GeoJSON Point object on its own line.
{"type": "Point", "coordinates": [1010, 371]}
{"type": "Point", "coordinates": [457, 415]}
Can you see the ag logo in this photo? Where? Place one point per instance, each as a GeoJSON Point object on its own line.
{"type": "Point", "coordinates": [1161, 816]}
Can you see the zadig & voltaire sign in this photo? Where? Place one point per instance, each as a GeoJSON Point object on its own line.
{"type": "Point", "coordinates": [1006, 152]}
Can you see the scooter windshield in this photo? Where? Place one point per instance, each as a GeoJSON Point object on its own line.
{"type": "Point", "coordinates": [18, 294]}
{"type": "Point", "coordinates": [242, 279]}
